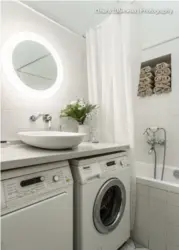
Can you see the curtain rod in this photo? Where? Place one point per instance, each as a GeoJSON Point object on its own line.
{"type": "Point", "coordinates": [157, 44]}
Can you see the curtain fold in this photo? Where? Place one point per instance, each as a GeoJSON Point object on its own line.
{"type": "Point", "coordinates": [113, 64]}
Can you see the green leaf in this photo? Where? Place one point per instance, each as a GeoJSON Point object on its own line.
{"type": "Point", "coordinates": [79, 111]}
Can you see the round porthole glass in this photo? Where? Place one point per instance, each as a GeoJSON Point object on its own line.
{"type": "Point", "coordinates": [109, 206]}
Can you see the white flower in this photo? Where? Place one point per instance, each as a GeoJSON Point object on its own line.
{"type": "Point", "coordinates": [73, 102]}
{"type": "Point", "coordinates": [81, 103]}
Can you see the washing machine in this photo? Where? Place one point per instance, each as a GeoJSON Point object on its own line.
{"type": "Point", "coordinates": [101, 201]}
{"type": "Point", "coordinates": [37, 208]}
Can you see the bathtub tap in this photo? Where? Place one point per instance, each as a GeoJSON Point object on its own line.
{"type": "Point", "coordinates": [151, 150]}
{"type": "Point", "coordinates": [176, 173]}
{"type": "Point", "coordinates": [152, 141]}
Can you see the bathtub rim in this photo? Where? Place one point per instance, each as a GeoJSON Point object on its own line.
{"type": "Point", "coordinates": [163, 185]}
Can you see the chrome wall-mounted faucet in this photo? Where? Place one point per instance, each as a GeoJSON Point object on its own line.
{"type": "Point", "coordinates": [46, 118]}
{"type": "Point", "coordinates": [153, 141]}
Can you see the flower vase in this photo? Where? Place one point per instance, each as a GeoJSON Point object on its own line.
{"type": "Point", "coordinates": [84, 129]}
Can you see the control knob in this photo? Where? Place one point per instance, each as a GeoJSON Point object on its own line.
{"type": "Point", "coordinates": [55, 178]}
{"type": "Point", "coordinates": [121, 163]}
{"type": "Point", "coordinates": [42, 178]}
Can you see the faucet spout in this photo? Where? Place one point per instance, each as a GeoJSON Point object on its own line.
{"type": "Point", "coordinates": [46, 118]}
{"type": "Point", "coordinates": [49, 125]}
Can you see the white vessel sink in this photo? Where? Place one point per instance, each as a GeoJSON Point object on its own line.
{"type": "Point", "coordinates": [51, 139]}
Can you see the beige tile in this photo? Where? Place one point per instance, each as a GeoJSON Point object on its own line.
{"type": "Point", "coordinates": [157, 234]}
{"type": "Point", "coordinates": [158, 210]}
{"type": "Point", "coordinates": [158, 194]}
{"type": "Point", "coordinates": [142, 190]}
{"type": "Point", "coordinates": [173, 235]}
{"type": "Point", "coordinates": [173, 214]}
{"type": "Point", "coordinates": [141, 236]}
{"type": "Point", "coordinates": [173, 199]}
{"type": "Point", "coordinates": [142, 211]}
{"type": "Point", "coordinates": [171, 247]}
{"type": "Point", "coordinates": [156, 243]}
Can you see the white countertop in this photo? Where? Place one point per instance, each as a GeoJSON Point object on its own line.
{"type": "Point", "coordinates": [21, 155]}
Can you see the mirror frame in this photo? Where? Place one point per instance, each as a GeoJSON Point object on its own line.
{"type": "Point", "coordinates": [11, 74]}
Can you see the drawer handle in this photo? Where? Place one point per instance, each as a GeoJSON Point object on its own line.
{"type": "Point", "coordinates": [97, 176]}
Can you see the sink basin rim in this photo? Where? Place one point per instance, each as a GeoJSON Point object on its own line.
{"type": "Point", "coordinates": [49, 133]}
{"type": "Point", "coordinates": [51, 139]}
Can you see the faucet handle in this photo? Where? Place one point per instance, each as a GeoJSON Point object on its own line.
{"type": "Point", "coordinates": [47, 117]}
{"type": "Point", "coordinates": [32, 118]}
{"type": "Point", "coordinates": [161, 142]}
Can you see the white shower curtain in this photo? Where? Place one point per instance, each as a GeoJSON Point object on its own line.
{"type": "Point", "coordinates": [113, 63]}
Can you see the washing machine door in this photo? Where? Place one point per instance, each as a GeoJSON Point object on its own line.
{"type": "Point", "coordinates": [109, 206]}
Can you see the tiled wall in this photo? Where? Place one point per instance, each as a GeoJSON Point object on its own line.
{"type": "Point", "coordinates": [157, 218]}
{"type": "Point", "coordinates": [17, 107]}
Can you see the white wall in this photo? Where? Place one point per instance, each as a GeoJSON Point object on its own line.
{"type": "Point", "coordinates": [157, 28]}
{"type": "Point", "coordinates": [16, 107]}
{"type": "Point", "coordinates": [161, 110]}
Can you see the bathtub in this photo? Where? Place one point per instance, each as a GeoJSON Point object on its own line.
{"type": "Point", "coordinates": [145, 173]}
{"type": "Point", "coordinates": [157, 208]}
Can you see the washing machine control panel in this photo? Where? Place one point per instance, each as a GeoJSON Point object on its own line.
{"type": "Point", "coordinates": [35, 186]}
{"type": "Point", "coordinates": [123, 161]}
{"type": "Point", "coordinates": [93, 171]}
{"type": "Point", "coordinates": [115, 164]}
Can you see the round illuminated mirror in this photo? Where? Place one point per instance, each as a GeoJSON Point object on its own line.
{"type": "Point", "coordinates": [34, 65]}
